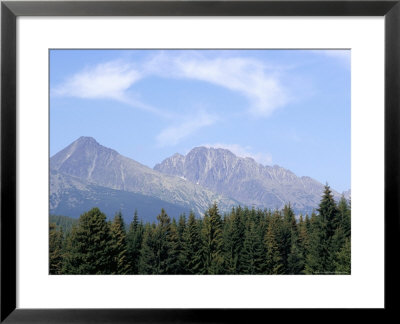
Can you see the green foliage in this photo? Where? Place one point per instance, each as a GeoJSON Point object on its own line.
{"type": "Point", "coordinates": [328, 212]}
{"type": "Point", "coordinates": [174, 265]}
{"type": "Point", "coordinates": [55, 249]}
{"type": "Point", "coordinates": [301, 250]}
{"type": "Point", "coordinates": [252, 258]}
{"type": "Point", "coordinates": [134, 240]}
{"type": "Point", "coordinates": [244, 241]}
{"type": "Point", "coordinates": [344, 216]}
{"type": "Point", "coordinates": [118, 246]}
{"type": "Point", "coordinates": [274, 264]}
{"type": "Point", "coordinates": [64, 222]}
{"type": "Point", "coordinates": [88, 249]}
{"type": "Point", "coordinates": [212, 241]}
{"type": "Point", "coordinates": [148, 252]}
{"type": "Point", "coordinates": [343, 259]}
{"type": "Point", "coordinates": [328, 233]}
{"type": "Point", "coordinates": [317, 256]}
{"type": "Point", "coordinates": [182, 252]}
{"type": "Point", "coordinates": [341, 247]}
{"type": "Point", "coordinates": [162, 236]}
{"type": "Point", "coordinates": [234, 232]}
{"type": "Point", "coordinates": [295, 263]}
{"type": "Point", "coordinates": [193, 246]}
{"type": "Point", "coordinates": [287, 238]}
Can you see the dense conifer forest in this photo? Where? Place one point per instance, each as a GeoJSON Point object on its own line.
{"type": "Point", "coordinates": [243, 241]}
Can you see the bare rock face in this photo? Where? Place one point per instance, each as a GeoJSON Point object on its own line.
{"type": "Point", "coordinates": [86, 172]}
{"type": "Point", "coordinates": [88, 162]}
{"type": "Point", "coordinates": [244, 179]}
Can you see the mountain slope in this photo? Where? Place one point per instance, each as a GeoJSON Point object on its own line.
{"type": "Point", "coordinates": [87, 163]}
{"type": "Point", "coordinates": [71, 196]}
{"type": "Point", "coordinates": [244, 179]}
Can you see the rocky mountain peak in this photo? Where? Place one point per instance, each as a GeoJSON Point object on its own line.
{"type": "Point", "coordinates": [94, 164]}
{"type": "Point", "coordinates": [244, 179]}
{"type": "Point", "coordinates": [194, 180]}
{"type": "Point", "coordinates": [81, 156]}
{"type": "Point", "coordinates": [87, 140]}
{"type": "Point", "coordinates": [210, 152]}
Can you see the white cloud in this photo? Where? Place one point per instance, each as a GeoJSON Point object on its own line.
{"type": "Point", "coordinates": [244, 151]}
{"type": "Point", "coordinates": [249, 77]}
{"type": "Point", "coordinates": [259, 83]}
{"type": "Point", "coordinates": [104, 81]}
{"type": "Point", "coordinates": [110, 80]}
{"type": "Point", "coordinates": [115, 80]}
{"type": "Point", "coordinates": [172, 135]}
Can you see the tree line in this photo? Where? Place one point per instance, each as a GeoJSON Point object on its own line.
{"type": "Point", "coordinates": [243, 241]}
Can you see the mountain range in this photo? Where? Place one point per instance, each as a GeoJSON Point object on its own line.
{"type": "Point", "coordinates": [86, 174]}
{"type": "Point", "coordinates": [244, 179]}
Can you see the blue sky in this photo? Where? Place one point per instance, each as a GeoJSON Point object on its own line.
{"type": "Point", "coordinates": [284, 107]}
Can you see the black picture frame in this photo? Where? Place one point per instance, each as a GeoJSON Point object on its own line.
{"type": "Point", "coordinates": [10, 10]}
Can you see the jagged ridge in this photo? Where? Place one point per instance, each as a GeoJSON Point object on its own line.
{"type": "Point", "coordinates": [244, 179]}
{"type": "Point", "coordinates": [92, 163]}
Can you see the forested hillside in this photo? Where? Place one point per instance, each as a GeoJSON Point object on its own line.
{"type": "Point", "coordinates": [243, 241]}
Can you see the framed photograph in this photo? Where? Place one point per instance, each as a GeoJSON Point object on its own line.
{"type": "Point", "coordinates": [195, 161]}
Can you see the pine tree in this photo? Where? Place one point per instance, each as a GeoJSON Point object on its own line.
{"type": "Point", "coordinates": [343, 258]}
{"type": "Point", "coordinates": [296, 256]}
{"type": "Point", "coordinates": [88, 248]}
{"type": "Point", "coordinates": [287, 237]}
{"type": "Point", "coordinates": [308, 222]}
{"type": "Point", "coordinates": [273, 261]}
{"type": "Point", "coordinates": [253, 250]}
{"type": "Point", "coordinates": [148, 251]}
{"type": "Point", "coordinates": [295, 260]}
{"type": "Point", "coordinates": [303, 241]}
{"type": "Point", "coordinates": [173, 265]}
{"type": "Point", "coordinates": [328, 212]}
{"type": "Point", "coordinates": [193, 248]}
{"type": "Point", "coordinates": [55, 249]}
{"type": "Point", "coordinates": [118, 247]}
{"type": "Point", "coordinates": [244, 241]}
{"type": "Point", "coordinates": [342, 232]}
{"type": "Point", "coordinates": [213, 241]}
{"type": "Point", "coordinates": [134, 243]}
{"type": "Point", "coordinates": [230, 261]}
{"type": "Point", "coordinates": [182, 226]}
{"type": "Point", "coordinates": [323, 242]}
{"type": "Point", "coordinates": [163, 231]}
{"type": "Point", "coordinates": [344, 211]}
{"type": "Point", "coordinates": [235, 238]}
{"type": "Point", "coordinates": [317, 257]}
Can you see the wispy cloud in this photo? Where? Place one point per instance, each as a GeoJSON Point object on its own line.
{"type": "Point", "coordinates": [110, 80]}
{"type": "Point", "coordinates": [249, 77]}
{"type": "Point", "coordinates": [135, 103]}
{"type": "Point", "coordinates": [174, 134]}
{"type": "Point", "coordinates": [116, 80]}
{"type": "Point", "coordinates": [244, 151]}
{"type": "Point", "coordinates": [103, 81]}
{"type": "Point", "coordinates": [259, 83]}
